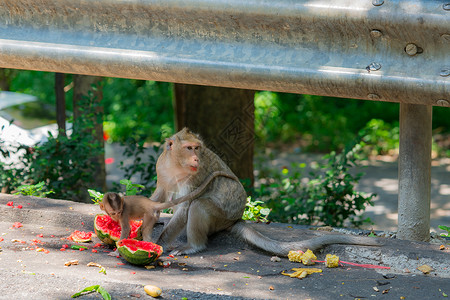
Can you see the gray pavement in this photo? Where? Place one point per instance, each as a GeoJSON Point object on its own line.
{"type": "Point", "coordinates": [228, 269]}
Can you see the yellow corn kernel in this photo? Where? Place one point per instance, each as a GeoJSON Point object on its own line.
{"type": "Point", "coordinates": [331, 261]}
{"type": "Point", "coordinates": [308, 258]}
{"type": "Point", "coordinates": [295, 256]}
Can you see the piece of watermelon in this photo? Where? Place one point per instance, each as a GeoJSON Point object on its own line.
{"type": "Point", "coordinates": [139, 252]}
{"type": "Point", "coordinates": [108, 230]}
{"type": "Point", "coordinates": [80, 236]}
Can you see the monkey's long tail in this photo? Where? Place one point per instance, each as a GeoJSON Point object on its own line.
{"type": "Point", "coordinates": [255, 238]}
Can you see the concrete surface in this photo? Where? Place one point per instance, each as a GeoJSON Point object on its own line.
{"type": "Point", "coordinates": [228, 269]}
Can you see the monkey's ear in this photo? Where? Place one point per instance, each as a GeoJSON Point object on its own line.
{"type": "Point", "coordinates": [169, 143]}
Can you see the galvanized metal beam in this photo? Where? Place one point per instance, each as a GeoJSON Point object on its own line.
{"type": "Point", "coordinates": [376, 50]}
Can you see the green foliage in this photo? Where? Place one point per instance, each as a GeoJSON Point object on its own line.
{"type": "Point", "coordinates": [380, 137]}
{"type": "Point", "coordinates": [9, 177]}
{"type": "Point", "coordinates": [446, 228]}
{"type": "Point", "coordinates": [66, 164]}
{"type": "Point", "coordinates": [137, 108]}
{"type": "Point", "coordinates": [97, 196]}
{"type": "Point", "coordinates": [328, 197]}
{"type": "Point", "coordinates": [316, 123]}
{"type": "Point", "coordinates": [255, 212]}
{"type": "Point", "coordinates": [131, 188]}
{"type": "Point", "coordinates": [144, 163]}
{"type": "Point", "coordinates": [33, 190]}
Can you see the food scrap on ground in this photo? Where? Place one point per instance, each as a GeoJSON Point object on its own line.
{"type": "Point", "coordinates": [152, 290]}
{"type": "Point", "coordinates": [425, 269]}
{"type": "Point", "coordinates": [71, 263]}
{"type": "Point", "coordinates": [332, 261]}
{"type": "Point", "coordinates": [80, 236]}
{"type": "Point", "coordinates": [301, 272]}
{"type": "Point", "coordinates": [102, 269]}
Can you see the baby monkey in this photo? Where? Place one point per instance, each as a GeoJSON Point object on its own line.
{"type": "Point", "coordinates": [123, 209]}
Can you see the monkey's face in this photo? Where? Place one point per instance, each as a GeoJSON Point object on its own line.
{"type": "Point", "coordinates": [112, 204]}
{"type": "Point", "coordinates": [190, 156]}
{"type": "Point", "coordinates": [114, 214]}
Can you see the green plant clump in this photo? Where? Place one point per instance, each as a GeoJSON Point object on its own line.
{"type": "Point", "coordinates": [254, 211]}
{"type": "Point", "coordinates": [327, 198]}
{"type": "Point", "coordinates": [33, 190]}
{"type": "Point", "coordinates": [446, 228]}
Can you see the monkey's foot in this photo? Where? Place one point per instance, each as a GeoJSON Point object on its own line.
{"type": "Point", "coordinates": [184, 250]}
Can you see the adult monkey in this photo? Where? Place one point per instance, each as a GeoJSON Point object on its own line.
{"type": "Point", "coordinates": [182, 167]}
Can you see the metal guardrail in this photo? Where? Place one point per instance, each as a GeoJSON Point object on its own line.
{"type": "Point", "coordinates": [367, 49]}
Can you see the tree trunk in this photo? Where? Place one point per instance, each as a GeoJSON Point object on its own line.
{"type": "Point", "coordinates": [60, 103]}
{"type": "Point", "coordinates": [224, 118]}
{"type": "Point", "coordinates": [6, 76]}
{"type": "Point", "coordinates": [88, 87]}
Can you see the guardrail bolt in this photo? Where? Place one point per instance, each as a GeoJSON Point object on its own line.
{"type": "Point", "coordinates": [377, 2]}
{"type": "Point", "coordinates": [446, 6]}
{"type": "Point", "coordinates": [373, 67]}
{"type": "Point", "coordinates": [445, 72]}
{"type": "Point", "coordinates": [412, 49]}
{"type": "Point", "coordinates": [375, 33]}
{"type": "Point", "coordinates": [443, 102]}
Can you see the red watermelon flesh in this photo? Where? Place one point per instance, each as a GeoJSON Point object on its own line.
{"type": "Point", "coordinates": [108, 230]}
{"type": "Point", "coordinates": [80, 236]}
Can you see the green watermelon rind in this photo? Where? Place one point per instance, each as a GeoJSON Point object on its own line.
{"type": "Point", "coordinates": [105, 237]}
{"type": "Point", "coordinates": [139, 257]}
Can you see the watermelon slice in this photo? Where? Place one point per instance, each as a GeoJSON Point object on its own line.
{"type": "Point", "coordinates": [139, 252]}
{"type": "Point", "coordinates": [108, 230]}
{"type": "Point", "coordinates": [81, 236]}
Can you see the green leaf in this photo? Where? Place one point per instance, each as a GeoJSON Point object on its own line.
{"type": "Point", "coordinates": [94, 288]}
{"type": "Point", "coordinates": [89, 289]}
{"type": "Point", "coordinates": [104, 293]}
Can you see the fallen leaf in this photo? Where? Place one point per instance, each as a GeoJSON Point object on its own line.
{"type": "Point", "coordinates": [385, 291]}
{"type": "Point", "coordinates": [376, 289]}
{"type": "Point", "coordinates": [425, 269]}
{"type": "Point", "coordinates": [271, 288]}
{"type": "Point", "coordinates": [441, 247]}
